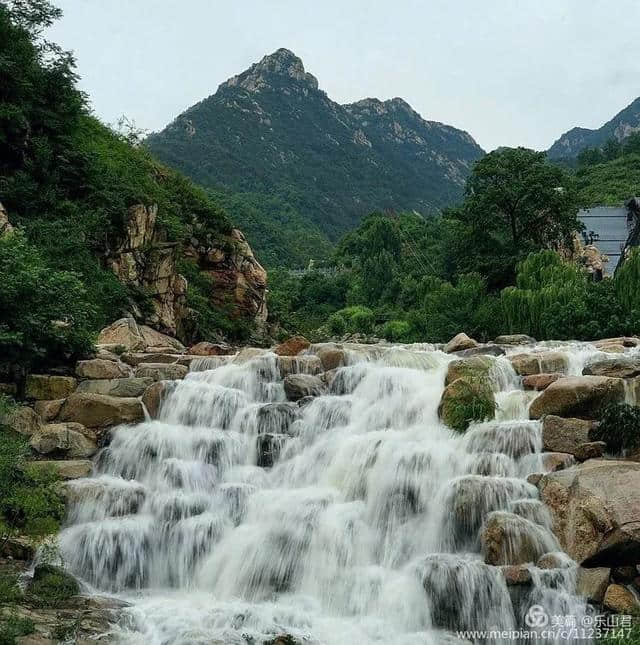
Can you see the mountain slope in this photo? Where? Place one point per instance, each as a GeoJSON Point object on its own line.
{"type": "Point", "coordinates": [575, 140]}
{"type": "Point", "coordinates": [271, 130]}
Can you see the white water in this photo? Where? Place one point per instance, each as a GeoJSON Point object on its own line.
{"type": "Point", "coordinates": [364, 530]}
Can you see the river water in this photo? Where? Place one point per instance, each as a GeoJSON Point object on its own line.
{"type": "Point", "coordinates": [353, 517]}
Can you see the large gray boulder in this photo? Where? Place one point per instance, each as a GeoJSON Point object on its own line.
{"type": "Point", "coordinates": [577, 396]}
{"type": "Point", "coordinates": [595, 509]}
{"type": "Point", "coordinates": [459, 342]}
{"type": "Point", "coordinates": [297, 386]}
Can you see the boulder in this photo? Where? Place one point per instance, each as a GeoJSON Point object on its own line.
{"type": "Point", "coordinates": [464, 401]}
{"type": "Point", "coordinates": [292, 346]}
{"type": "Point", "coordinates": [592, 583]}
{"type": "Point", "coordinates": [590, 450]}
{"type": "Point", "coordinates": [595, 508]}
{"type": "Point", "coordinates": [44, 387]}
{"type": "Point", "coordinates": [73, 469]}
{"type": "Point", "coordinates": [459, 342]}
{"type": "Point", "coordinates": [136, 358]}
{"type": "Point", "coordinates": [23, 420]}
{"type": "Point", "coordinates": [552, 461]}
{"type": "Point", "coordinates": [625, 341]}
{"type": "Point", "coordinates": [538, 363]}
{"type": "Point", "coordinates": [511, 539]}
{"type": "Point", "coordinates": [477, 367]}
{"type": "Point", "coordinates": [99, 368]}
{"type": "Point", "coordinates": [248, 354]}
{"type": "Point", "coordinates": [152, 398]}
{"type": "Point", "coordinates": [67, 440]}
{"type": "Point", "coordinates": [622, 367]}
{"type": "Point", "coordinates": [514, 339]}
{"type": "Point", "coordinates": [161, 371]}
{"type": "Point", "coordinates": [48, 410]}
{"type": "Point", "coordinates": [539, 382]}
{"type": "Point", "coordinates": [564, 435]}
{"type": "Point", "coordinates": [481, 350]}
{"type": "Point", "coordinates": [100, 410]}
{"type": "Point", "coordinates": [128, 387]}
{"type": "Point", "coordinates": [307, 364]}
{"type": "Point", "coordinates": [209, 349]}
{"type": "Point", "coordinates": [153, 338]}
{"type": "Point", "coordinates": [516, 574]}
{"type": "Point", "coordinates": [553, 561]}
{"type": "Point", "coordinates": [534, 478]}
{"type": "Point", "coordinates": [331, 357]}
{"type": "Point", "coordinates": [620, 600]}
{"type": "Point", "coordinates": [579, 396]}
{"type": "Point", "coordinates": [123, 333]}
{"type": "Point", "coordinates": [297, 386]}
{"type": "Point", "coordinates": [18, 547]}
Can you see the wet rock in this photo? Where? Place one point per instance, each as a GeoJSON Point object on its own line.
{"type": "Point", "coordinates": [71, 469]}
{"type": "Point", "coordinates": [516, 574]}
{"type": "Point", "coordinates": [292, 346]}
{"type": "Point", "coordinates": [553, 561]}
{"type": "Point", "coordinates": [100, 410]}
{"type": "Point", "coordinates": [161, 371]}
{"type": "Point", "coordinates": [306, 364]}
{"type": "Point", "coordinates": [459, 342]}
{"type": "Point", "coordinates": [590, 450]}
{"type": "Point", "coordinates": [577, 396]}
{"type": "Point", "coordinates": [297, 386]}
{"type": "Point", "coordinates": [248, 354]}
{"type": "Point", "coordinates": [621, 600]}
{"type": "Point", "coordinates": [98, 368]}
{"type": "Point", "coordinates": [595, 508]}
{"type": "Point", "coordinates": [42, 387]}
{"type": "Point", "coordinates": [592, 583]}
{"type": "Point", "coordinates": [48, 410]}
{"type": "Point", "coordinates": [624, 575]}
{"type": "Point", "coordinates": [268, 448]}
{"type": "Point", "coordinates": [564, 435]}
{"type": "Point", "coordinates": [124, 333]}
{"type": "Point", "coordinates": [477, 367]}
{"type": "Point", "coordinates": [465, 401]}
{"type": "Point", "coordinates": [331, 357]}
{"type": "Point", "coordinates": [534, 478]}
{"type": "Point", "coordinates": [64, 440]}
{"type": "Point", "coordinates": [152, 398]}
{"type": "Point", "coordinates": [481, 350]}
{"type": "Point", "coordinates": [539, 382]}
{"type": "Point", "coordinates": [553, 461]}
{"type": "Point", "coordinates": [155, 339]}
{"type": "Point", "coordinates": [510, 539]}
{"type": "Point", "coordinates": [127, 387]}
{"type": "Point", "coordinates": [514, 339]}
{"type": "Point", "coordinates": [538, 363]}
{"type": "Point", "coordinates": [23, 420]}
{"type": "Point", "coordinates": [209, 349]}
{"type": "Point", "coordinates": [622, 367]}
{"type": "Point", "coordinates": [625, 341]}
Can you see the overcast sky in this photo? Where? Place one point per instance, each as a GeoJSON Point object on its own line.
{"type": "Point", "coordinates": [510, 72]}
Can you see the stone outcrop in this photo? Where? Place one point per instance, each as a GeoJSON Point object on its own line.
{"type": "Point", "coordinates": [128, 387]}
{"type": "Point", "coordinates": [514, 339]}
{"type": "Point", "coordinates": [564, 435]}
{"type": "Point", "coordinates": [619, 599]}
{"type": "Point", "coordinates": [292, 346]}
{"type": "Point", "coordinates": [48, 410]}
{"type": "Point", "coordinates": [297, 386]}
{"type": "Point", "coordinates": [98, 368]}
{"type": "Point", "coordinates": [152, 398]}
{"type": "Point", "coordinates": [44, 387]}
{"type": "Point", "coordinates": [459, 342]}
{"type": "Point", "coordinates": [23, 420]}
{"type": "Point", "coordinates": [473, 398]}
{"type": "Point", "coordinates": [205, 348]}
{"type": "Point", "coordinates": [476, 367]}
{"type": "Point", "coordinates": [539, 382]}
{"type": "Point", "coordinates": [592, 583]}
{"type": "Point", "coordinates": [578, 396]}
{"type": "Point", "coordinates": [69, 440]}
{"type": "Point", "coordinates": [161, 371]}
{"type": "Point", "coordinates": [99, 410]}
{"type": "Point", "coordinates": [622, 367]}
{"type": "Point", "coordinates": [538, 363]}
{"type": "Point", "coordinates": [595, 509]}
{"type": "Point", "coordinates": [71, 469]}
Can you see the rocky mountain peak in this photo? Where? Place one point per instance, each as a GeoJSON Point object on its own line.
{"type": "Point", "coordinates": [282, 63]}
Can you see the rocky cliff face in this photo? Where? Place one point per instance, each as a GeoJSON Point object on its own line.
{"type": "Point", "coordinates": [571, 143]}
{"type": "Point", "coordinates": [142, 258]}
{"type": "Point", "coordinates": [271, 129]}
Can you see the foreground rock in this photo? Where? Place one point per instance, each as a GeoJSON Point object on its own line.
{"type": "Point", "coordinates": [538, 363]}
{"type": "Point", "coordinates": [577, 396]}
{"type": "Point", "coordinates": [539, 382]}
{"type": "Point", "coordinates": [99, 368]}
{"type": "Point", "coordinates": [100, 411]}
{"type": "Point", "coordinates": [297, 386]}
{"type": "Point", "coordinates": [622, 367]}
{"type": "Point", "coordinates": [152, 397]}
{"type": "Point", "coordinates": [127, 387]}
{"type": "Point", "coordinates": [596, 511]}
{"type": "Point", "coordinates": [592, 583]}
{"type": "Point", "coordinates": [42, 387]}
{"type": "Point", "coordinates": [209, 349]}
{"type": "Point", "coordinates": [126, 335]}
{"type": "Point", "coordinates": [459, 342]}
{"type": "Point", "coordinates": [474, 368]}
{"type": "Point", "coordinates": [565, 435]}
{"type": "Point", "coordinates": [65, 440]}
{"type": "Point", "coordinates": [23, 420]}
{"type": "Point", "coordinates": [464, 401]}
{"type": "Point", "coordinates": [621, 600]}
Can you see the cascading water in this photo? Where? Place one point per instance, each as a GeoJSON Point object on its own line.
{"type": "Point", "coordinates": [353, 517]}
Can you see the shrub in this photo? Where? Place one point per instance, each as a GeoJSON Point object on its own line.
{"type": "Point", "coordinates": [13, 627]}
{"type": "Point", "coordinates": [619, 427]}
{"type": "Point", "coordinates": [397, 331]}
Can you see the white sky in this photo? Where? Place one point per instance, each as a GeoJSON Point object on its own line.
{"type": "Point", "coordinates": [510, 72]}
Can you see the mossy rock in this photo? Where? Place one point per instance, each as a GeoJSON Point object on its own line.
{"type": "Point", "coordinates": [466, 400]}
{"type": "Point", "coordinates": [474, 368]}
{"type": "Point", "coordinates": [51, 586]}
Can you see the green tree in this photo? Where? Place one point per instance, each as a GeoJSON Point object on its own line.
{"type": "Point", "coordinates": [516, 202]}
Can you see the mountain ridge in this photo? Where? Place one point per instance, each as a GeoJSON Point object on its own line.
{"type": "Point", "coordinates": [272, 130]}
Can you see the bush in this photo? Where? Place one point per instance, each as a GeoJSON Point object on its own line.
{"type": "Point", "coordinates": [619, 427]}
{"type": "Point", "coordinates": [397, 331]}
{"type": "Point", "coordinates": [13, 627]}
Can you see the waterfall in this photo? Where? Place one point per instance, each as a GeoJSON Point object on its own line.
{"type": "Point", "coordinates": [354, 517]}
